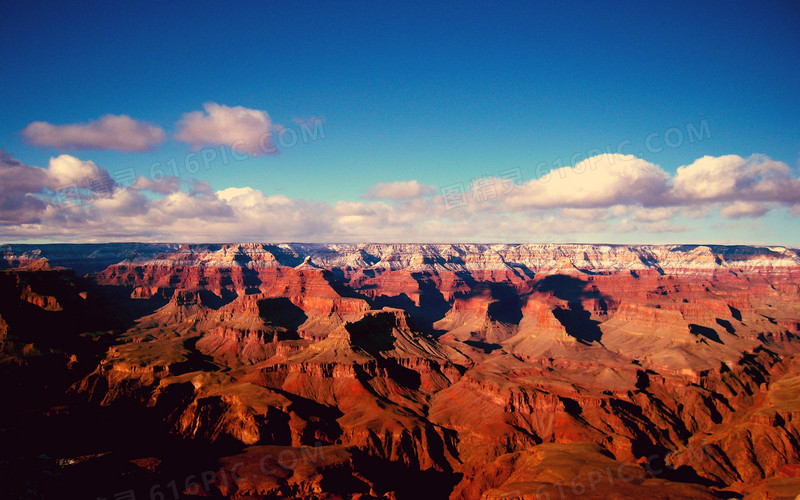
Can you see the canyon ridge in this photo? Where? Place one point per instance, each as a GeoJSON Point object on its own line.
{"type": "Point", "coordinates": [464, 371]}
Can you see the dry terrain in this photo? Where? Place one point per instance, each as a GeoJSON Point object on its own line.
{"type": "Point", "coordinates": [170, 371]}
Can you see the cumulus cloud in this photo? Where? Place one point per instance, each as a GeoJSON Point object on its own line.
{"type": "Point", "coordinates": [600, 181]}
{"type": "Point", "coordinates": [19, 185]}
{"type": "Point", "coordinates": [171, 184]}
{"type": "Point", "coordinates": [187, 206]}
{"type": "Point", "coordinates": [697, 211]}
{"type": "Point", "coordinates": [15, 176]}
{"type": "Point", "coordinates": [399, 190]}
{"type": "Point", "coordinates": [244, 130]}
{"type": "Point", "coordinates": [24, 189]}
{"type": "Point", "coordinates": [245, 197]}
{"type": "Point", "coordinates": [165, 185]}
{"type": "Point", "coordinates": [200, 187]}
{"type": "Point", "coordinates": [123, 203]}
{"type": "Point", "coordinates": [66, 170]}
{"type": "Point", "coordinates": [733, 178]}
{"type": "Point", "coordinates": [258, 215]}
{"type": "Point", "coordinates": [654, 214]}
{"type": "Point", "coordinates": [585, 214]}
{"type": "Point", "coordinates": [742, 209]}
{"type": "Point", "coordinates": [736, 186]}
{"type": "Point", "coordinates": [109, 132]}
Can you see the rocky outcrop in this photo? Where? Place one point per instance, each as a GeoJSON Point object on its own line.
{"type": "Point", "coordinates": [495, 371]}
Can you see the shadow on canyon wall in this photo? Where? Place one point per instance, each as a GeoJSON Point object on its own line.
{"type": "Point", "coordinates": [575, 318]}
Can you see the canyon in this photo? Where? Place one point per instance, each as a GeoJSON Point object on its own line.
{"type": "Point", "coordinates": [464, 371]}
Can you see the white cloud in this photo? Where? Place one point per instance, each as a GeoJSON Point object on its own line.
{"type": "Point", "coordinates": [600, 181]}
{"type": "Point", "coordinates": [621, 210]}
{"type": "Point", "coordinates": [697, 211]}
{"type": "Point", "coordinates": [109, 132]}
{"type": "Point", "coordinates": [200, 187]}
{"type": "Point", "coordinates": [585, 214]}
{"type": "Point", "coordinates": [124, 203]}
{"type": "Point", "coordinates": [654, 214]}
{"type": "Point", "coordinates": [741, 209]}
{"type": "Point", "coordinates": [663, 226]}
{"type": "Point", "coordinates": [708, 178]}
{"type": "Point", "coordinates": [244, 130]}
{"type": "Point", "coordinates": [257, 216]}
{"type": "Point", "coordinates": [399, 190]}
{"type": "Point", "coordinates": [733, 178]}
{"type": "Point", "coordinates": [65, 170]}
{"type": "Point", "coordinates": [187, 206]}
{"type": "Point", "coordinates": [246, 197]}
{"type": "Point", "coordinates": [626, 226]}
{"type": "Point", "coordinates": [19, 184]}
{"type": "Point", "coordinates": [166, 185]}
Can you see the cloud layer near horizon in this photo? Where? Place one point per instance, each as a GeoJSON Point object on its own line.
{"type": "Point", "coordinates": [604, 194]}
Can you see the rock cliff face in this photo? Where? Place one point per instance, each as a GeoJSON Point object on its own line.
{"type": "Point", "coordinates": [480, 371]}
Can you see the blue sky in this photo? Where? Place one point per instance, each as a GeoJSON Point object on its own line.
{"type": "Point", "coordinates": [441, 94]}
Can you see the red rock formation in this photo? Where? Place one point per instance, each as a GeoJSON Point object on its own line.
{"type": "Point", "coordinates": [494, 371]}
